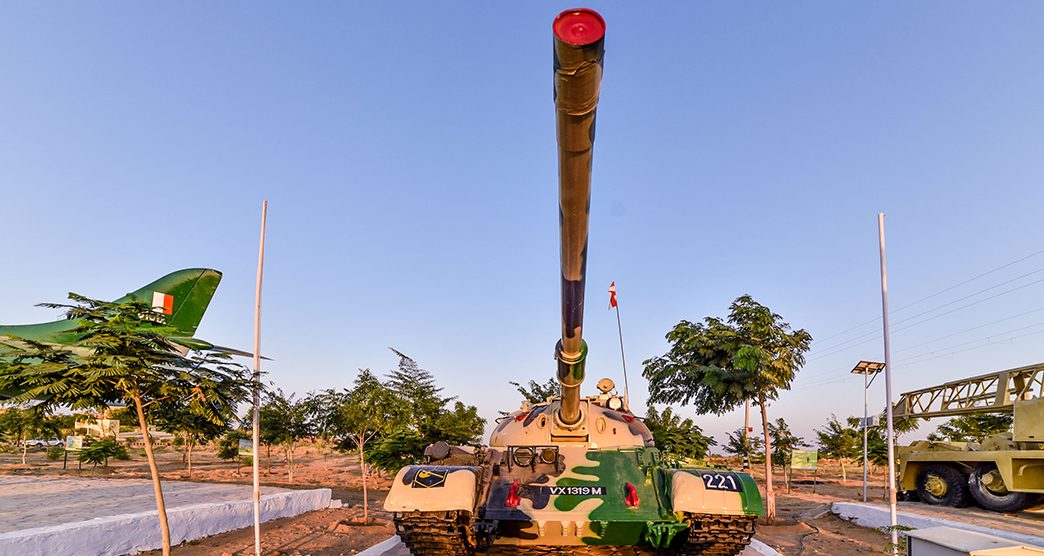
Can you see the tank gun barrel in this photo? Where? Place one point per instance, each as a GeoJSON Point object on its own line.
{"type": "Point", "coordinates": [579, 47]}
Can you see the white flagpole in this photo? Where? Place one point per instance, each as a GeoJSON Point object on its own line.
{"type": "Point", "coordinates": [623, 359]}
{"type": "Point", "coordinates": [888, 386]}
{"type": "Point", "coordinates": [256, 437]}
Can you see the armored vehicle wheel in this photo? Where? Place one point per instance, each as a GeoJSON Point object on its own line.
{"type": "Point", "coordinates": [943, 485]}
{"type": "Point", "coordinates": [987, 488]}
{"type": "Point", "coordinates": [436, 533]}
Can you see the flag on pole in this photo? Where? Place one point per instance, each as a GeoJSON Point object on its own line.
{"type": "Point", "coordinates": [612, 294]}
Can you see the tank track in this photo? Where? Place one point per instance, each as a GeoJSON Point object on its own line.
{"type": "Point", "coordinates": [436, 533]}
{"type": "Point", "coordinates": [449, 534]}
{"type": "Point", "coordinates": [717, 535]}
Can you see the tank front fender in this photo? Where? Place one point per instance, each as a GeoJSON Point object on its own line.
{"type": "Point", "coordinates": [714, 491]}
{"type": "Point", "coordinates": [432, 488]}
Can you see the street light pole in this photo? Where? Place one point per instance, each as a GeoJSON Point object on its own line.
{"type": "Point", "coordinates": [866, 410]}
{"type": "Point", "coordinates": [866, 368]}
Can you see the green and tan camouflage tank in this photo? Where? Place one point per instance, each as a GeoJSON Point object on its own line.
{"type": "Point", "coordinates": [532, 493]}
{"type": "Point", "coordinates": [571, 475]}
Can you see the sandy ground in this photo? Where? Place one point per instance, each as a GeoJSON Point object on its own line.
{"type": "Point", "coordinates": [801, 526]}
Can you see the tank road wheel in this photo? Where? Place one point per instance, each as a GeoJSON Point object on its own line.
{"type": "Point", "coordinates": [989, 491]}
{"type": "Point", "coordinates": [436, 533]}
{"type": "Point", "coordinates": [943, 485]}
{"type": "Point", "coordinates": [717, 535]}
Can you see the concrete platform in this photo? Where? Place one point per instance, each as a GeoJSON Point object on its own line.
{"type": "Point", "coordinates": [58, 515]}
{"type": "Point", "coordinates": [1025, 529]}
{"type": "Point", "coordinates": [394, 547]}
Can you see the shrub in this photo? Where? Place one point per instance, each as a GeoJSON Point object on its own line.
{"type": "Point", "coordinates": [55, 453]}
{"type": "Point", "coordinates": [101, 451]}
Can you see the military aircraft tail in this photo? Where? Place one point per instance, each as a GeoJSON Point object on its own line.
{"type": "Point", "coordinates": [183, 296]}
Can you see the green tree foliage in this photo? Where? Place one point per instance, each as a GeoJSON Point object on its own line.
{"type": "Point", "coordinates": [784, 442]}
{"type": "Point", "coordinates": [101, 450]}
{"type": "Point", "coordinates": [397, 449]}
{"type": "Point", "coordinates": [737, 447]}
{"type": "Point", "coordinates": [677, 437]}
{"type": "Point", "coordinates": [421, 418]}
{"type": "Point", "coordinates": [840, 442]}
{"type": "Point", "coordinates": [534, 392]}
{"type": "Point", "coordinates": [355, 417]}
{"type": "Point", "coordinates": [716, 365]}
{"type": "Point", "coordinates": [228, 444]}
{"type": "Point", "coordinates": [122, 356]}
{"type": "Point", "coordinates": [285, 420]}
{"type": "Point", "coordinates": [973, 428]}
{"type": "Point", "coordinates": [20, 424]}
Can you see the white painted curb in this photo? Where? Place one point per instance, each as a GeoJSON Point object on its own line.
{"type": "Point", "coordinates": [382, 547]}
{"type": "Point", "coordinates": [391, 543]}
{"type": "Point", "coordinates": [132, 533]}
{"type": "Point", "coordinates": [876, 517]}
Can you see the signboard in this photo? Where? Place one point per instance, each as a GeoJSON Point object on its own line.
{"type": "Point", "coordinates": [804, 459]}
{"type": "Point", "coordinates": [74, 443]}
{"type": "Point", "coordinates": [246, 447]}
{"type": "Point", "coordinates": [870, 422]}
{"type": "Point", "coordinates": [109, 427]}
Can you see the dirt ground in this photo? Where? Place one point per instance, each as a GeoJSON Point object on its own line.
{"type": "Point", "coordinates": [803, 526]}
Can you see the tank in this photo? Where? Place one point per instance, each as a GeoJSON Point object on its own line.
{"type": "Point", "coordinates": [574, 474]}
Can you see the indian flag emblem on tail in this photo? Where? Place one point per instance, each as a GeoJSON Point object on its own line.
{"type": "Point", "coordinates": [163, 303]}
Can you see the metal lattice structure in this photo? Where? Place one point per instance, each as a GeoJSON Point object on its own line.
{"type": "Point", "coordinates": [989, 393]}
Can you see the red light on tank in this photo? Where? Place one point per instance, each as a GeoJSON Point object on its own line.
{"type": "Point", "coordinates": [521, 416]}
{"type": "Point", "coordinates": [628, 418]}
{"type": "Point", "coordinates": [632, 496]}
{"type": "Point", "coordinates": [579, 27]}
{"type": "Point", "coordinates": [513, 499]}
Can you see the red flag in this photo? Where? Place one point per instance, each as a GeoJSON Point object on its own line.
{"type": "Point", "coordinates": [612, 295]}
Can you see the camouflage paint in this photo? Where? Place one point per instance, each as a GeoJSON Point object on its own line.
{"type": "Point", "coordinates": [578, 61]}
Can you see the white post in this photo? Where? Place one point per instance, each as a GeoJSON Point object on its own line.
{"type": "Point", "coordinates": [888, 386]}
{"type": "Point", "coordinates": [256, 436]}
{"type": "Point", "coordinates": [865, 458]}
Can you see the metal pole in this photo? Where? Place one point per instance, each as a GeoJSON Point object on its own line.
{"type": "Point", "coordinates": [256, 436]}
{"type": "Point", "coordinates": [865, 459]}
{"type": "Point", "coordinates": [623, 360]}
{"type": "Point", "coordinates": [888, 386]}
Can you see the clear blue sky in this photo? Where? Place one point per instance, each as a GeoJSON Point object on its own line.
{"type": "Point", "coordinates": [407, 151]}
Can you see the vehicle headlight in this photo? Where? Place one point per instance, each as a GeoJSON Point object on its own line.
{"type": "Point", "coordinates": [523, 456]}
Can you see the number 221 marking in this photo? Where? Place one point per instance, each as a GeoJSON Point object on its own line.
{"type": "Point", "coordinates": [717, 481]}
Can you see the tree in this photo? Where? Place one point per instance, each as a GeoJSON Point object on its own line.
{"type": "Point", "coordinates": [421, 409]}
{"type": "Point", "coordinates": [840, 442]}
{"type": "Point", "coordinates": [718, 364]}
{"type": "Point", "coordinates": [101, 450]}
{"type": "Point", "coordinates": [675, 437]}
{"type": "Point", "coordinates": [194, 429]}
{"type": "Point", "coordinates": [284, 422]}
{"type": "Point", "coordinates": [22, 424]}
{"type": "Point", "coordinates": [357, 416]}
{"type": "Point", "coordinates": [973, 428]}
{"type": "Point", "coordinates": [784, 443]}
{"type": "Point", "coordinates": [122, 355]}
{"type": "Point", "coordinates": [534, 392]}
{"type": "Point", "coordinates": [737, 447]}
